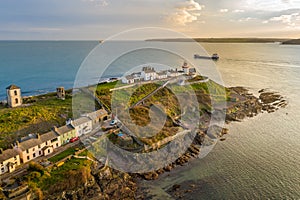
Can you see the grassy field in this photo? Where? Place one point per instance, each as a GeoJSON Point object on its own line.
{"type": "Point", "coordinates": [206, 93]}
{"type": "Point", "coordinates": [62, 155]}
{"type": "Point", "coordinates": [71, 175]}
{"type": "Point", "coordinates": [38, 115]}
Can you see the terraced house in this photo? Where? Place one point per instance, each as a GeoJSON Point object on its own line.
{"type": "Point", "coordinates": [9, 160]}
{"type": "Point", "coordinates": [66, 133]}
{"type": "Point", "coordinates": [98, 116]}
{"type": "Point", "coordinates": [82, 125]}
{"type": "Point", "coordinates": [36, 145]}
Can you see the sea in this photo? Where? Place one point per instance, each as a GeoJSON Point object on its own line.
{"type": "Point", "coordinates": [260, 158]}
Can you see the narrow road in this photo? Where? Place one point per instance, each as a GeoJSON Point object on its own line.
{"type": "Point", "coordinates": [88, 92]}
{"type": "Point", "coordinates": [151, 94]}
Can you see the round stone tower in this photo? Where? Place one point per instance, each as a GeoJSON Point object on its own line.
{"type": "Point", "coordinates": [14, 97]}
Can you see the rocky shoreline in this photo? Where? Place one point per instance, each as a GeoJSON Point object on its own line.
{"type": "Point", "coordinates": [107, 183]}
{"type": "Point", "coordinates": [251, 106]}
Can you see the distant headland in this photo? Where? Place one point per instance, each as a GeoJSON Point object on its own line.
{"type": "Point", "coordinates": [294, 42]}
{"type": "Point", "coordinates": [224, 40]}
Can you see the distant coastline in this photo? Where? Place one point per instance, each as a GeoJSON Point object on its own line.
{"type": "Point", "coordinates": [223, 40]}
{"type": "Point", "coordinates": [292, 42]}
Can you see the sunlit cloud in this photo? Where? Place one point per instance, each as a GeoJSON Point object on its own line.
{"type": "Point", "coordinates": [224, 10]}
{"type": "Point", "coordinates": [238, 11]}
{"type": "Point", "coordinates": [186, 12]}
{"type": "Point", "coordinates": [290, 20]}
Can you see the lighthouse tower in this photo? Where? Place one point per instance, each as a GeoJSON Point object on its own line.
{"type": "Point", "coordinates": [14, 97]}
{"type": "Point", "coordinates": [185, 67]}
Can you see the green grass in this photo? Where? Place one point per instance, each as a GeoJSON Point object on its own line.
{"type": "Point", "coordinates": [62, 155]}
{"type": "Point", "coordinates": [61, 173]}
{"type": "Point", "coordinates": [71, 175]}
{"type": "Point", "coordinates": [86, 153]}
{"type": "Point", "coordinates": [40, 116]}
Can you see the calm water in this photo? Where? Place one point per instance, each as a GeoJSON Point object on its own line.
{"type": "Point", "coordinates": [40, 67]}
{"type": "Point", "coordinates": [260, 159]}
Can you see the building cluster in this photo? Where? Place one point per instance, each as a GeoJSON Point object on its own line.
{"type": "Point", "coordinates": [36, 145]}
{"type": "Point", "coordinates": [150, 74]}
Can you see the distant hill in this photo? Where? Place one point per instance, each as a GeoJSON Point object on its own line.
{"type": "Point", "coordinates": [223, 40]}
{"type": "Point", "coordinates": [295, 41]}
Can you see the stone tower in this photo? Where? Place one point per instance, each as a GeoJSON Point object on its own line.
{"type": "Point", "coordinates": [14, 97]}
{"type": "Point", "coordinates": [61, 93]}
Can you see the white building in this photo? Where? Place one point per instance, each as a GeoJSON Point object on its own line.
{"type": "Point", "coordinates": [9, 160]}
{"type": "Point", "coordinates": [36, 145]}
{"type": "Point", "coordinates": [173, 73]}
{"type": "Point", "coordinates": [82, 125]}
{"type": "Point", "coordinates": [185, 68]}
{"type": "Point", "coordinates": [162, 75]}
{"type": "Point", "coordinates": [148, 73]}
{"type": "Point", "coordinates": [128, 79]}
{"type": "Point", "coordinates": [14, 97]}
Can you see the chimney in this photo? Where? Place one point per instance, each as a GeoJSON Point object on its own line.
{"type": "Point", "coordinates": [69, 122]}
{"type": "Point", "coordinates": [55, 128]}
{"type": "Point", "coordinates": [38, 136]}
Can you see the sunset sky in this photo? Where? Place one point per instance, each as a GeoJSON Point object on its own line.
{"type": "Point", "coordinates": [99, 19]}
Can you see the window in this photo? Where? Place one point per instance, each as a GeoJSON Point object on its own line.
{"type": "Point", "coordinates": [48, 150]}
{"type": "Point", "coordinates": [54, 140]}
{"type": "Point", "coordinates": [33, 149]}
{"type": "Point", "coordinates": [2, 170]}
{"type": "Point", "coordinates": [56, 144]}
{"type": "Point", "coordinates": [16, 93]}
{"type": "Point", "coordinates": [40, 152]}
{"type": "Point", "coordinates": [27, 150]}
{"type": "Point", "coordinates": [39, 146]}
{"type": "Point", "coordinates": [28, 157]}
{"type": "Point", "coordinates": [17, 100]}
{"type": "Point", "coordinates": [33, 155]}
{"type": "Point", "coordinates": [47, 143]}
{"type": "Point", "coordinates": [15, 157]}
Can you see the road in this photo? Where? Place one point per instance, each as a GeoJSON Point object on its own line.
{"type": "Point", "coordinates": [23, 167]}
{"type": "Point", "coordinates": [151, 94]}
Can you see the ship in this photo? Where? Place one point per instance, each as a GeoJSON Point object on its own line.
{"type": "Point", "coordinates": [215, 56]}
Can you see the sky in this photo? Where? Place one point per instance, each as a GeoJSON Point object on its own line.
{"type": "Point", "coordinates": [100, 19]}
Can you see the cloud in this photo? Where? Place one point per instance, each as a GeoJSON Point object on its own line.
{"type": "Point", "coordinates": [290, 20]}
{"type": "Point", "coordinates": [101, 3]}
{"type": "Point", "coordinates": [238, 11]}
{"type": "Point", "coordinates": [190, 5]}
{"type": "Point", "coordinates": [186, 12]}
{"type": "Point", "coordinates": [224, 10]}
{"type": "Point", "coordinates": [247, 19]}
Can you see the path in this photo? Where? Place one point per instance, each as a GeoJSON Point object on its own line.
{"type": "Point", "coordinates": [151, 94]}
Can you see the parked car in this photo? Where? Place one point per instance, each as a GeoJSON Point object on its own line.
{"type": "Point", "coordinates": [74, 139]}
{"type": "Point", "coordinates": [113, 122]}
